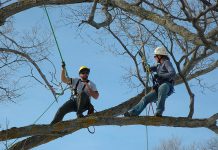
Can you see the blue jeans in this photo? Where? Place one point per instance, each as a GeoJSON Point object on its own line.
{"type": "Point", "coordinates": [153, 96]}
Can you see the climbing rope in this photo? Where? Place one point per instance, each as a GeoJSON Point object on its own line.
{"type": "Point", "coordinates": [54, 35]}
{"type": "Point", "coordinates": [34, 123]}
{"type": "Point", "coordinates": [53, 32]}
{"type": "Point", "coordinates": [148, 71]}
{"type": "Point", "coordinates": [56, 42]}
{"type": "Point", "coordinates": [92, 132]}
{"type": "Point", "coordinates": [147, 142]}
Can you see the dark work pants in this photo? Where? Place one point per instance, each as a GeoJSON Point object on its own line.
{"type": "Point", "coordinates": [69, 106]}
{"type": "Point", "coordinates": [79, 105]}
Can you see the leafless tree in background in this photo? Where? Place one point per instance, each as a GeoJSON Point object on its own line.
{"type": "Point", "coordinates": [175, 143]}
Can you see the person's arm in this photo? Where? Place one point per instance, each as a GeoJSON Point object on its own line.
{"type": "Point", "coordinates": [91, 92]}
{"type": "Point", "coordinates": [64, 78]}
{"type": "Point", "coordinates": [171, 71]}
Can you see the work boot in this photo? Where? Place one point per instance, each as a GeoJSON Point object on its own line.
{"type": "Point", "coordinates": [127, 114]}
{"type": "Point", "coordinates": [90, 110]}
{"type": "Point", "coordinates": [79, 115]}
{"type": "Point", "coordinates": [158, 114]}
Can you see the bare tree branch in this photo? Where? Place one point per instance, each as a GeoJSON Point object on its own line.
{"type": "Point", "coordinates": [91, 21]}
{"type": "Point", "coordinates": [199, 73]}
{"type": "Point", "coordinates": [3, 50]}
{"type": "Point", "coordinates": [129, 53]}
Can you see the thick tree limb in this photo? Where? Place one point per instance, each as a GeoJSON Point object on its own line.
{"type": "Point", "coordinates": [17, 7]}
{"type": "Point", "coordinates": [147, 15]}
{"type": "Point", "coordinates": [68, 127]}
{"type": "Point", "coordinates": [73, 125]}
{"type": "Point", "coordinates": [135, 10]}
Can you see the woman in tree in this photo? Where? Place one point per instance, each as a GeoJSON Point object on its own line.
{"type": "Point", "coordinates": [164, 79]}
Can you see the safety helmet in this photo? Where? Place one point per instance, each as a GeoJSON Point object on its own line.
{"type": "Point", "coordinates": [83, 68]}
{"type": "Point", "coordinates": [160, 51]}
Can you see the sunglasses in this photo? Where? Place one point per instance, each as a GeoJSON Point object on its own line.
{"type": "Point", "coordinates": [84, 72]}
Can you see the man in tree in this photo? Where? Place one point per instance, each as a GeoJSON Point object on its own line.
{"type": "Point", "coordinates": [82, 91]}
{"type": "Point", "coordinates": [163, 87]}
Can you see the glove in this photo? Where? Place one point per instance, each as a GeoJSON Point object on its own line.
{"type": "Point", "coordinates": [63, 65]}
{"type": "Point", "coordinates": [148, 69]}
{"type": "Point", "coordinates": [153, 68]}
{"type": "Point", "coordinates": [156, 76]}
{"type": "Point", "coordinates": [155, 87]}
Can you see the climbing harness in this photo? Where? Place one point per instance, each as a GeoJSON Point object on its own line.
{"type": "Point", "coordinates": [75, 91]}
{"type": "Point", "coordinates": [75, 97]}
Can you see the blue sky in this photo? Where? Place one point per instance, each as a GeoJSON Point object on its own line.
{"type": "Point", "coordinates": [106, 72]}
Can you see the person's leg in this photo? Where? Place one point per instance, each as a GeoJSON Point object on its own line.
{"type": "Point", "coordinates": [163, 90]}
{"type": "Point", "coordinates": [137, 109]}
{"type": "Point", "coordinates": [90, 109]}
{"type": "Point", "coordinates": [83, 103]}
{"type": "Point", "coordinates": [67, 107]}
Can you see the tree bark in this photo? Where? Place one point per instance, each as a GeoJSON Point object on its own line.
{"type": "Point", "coordinates": [23, 5]}
{"type": "Point", "coordinates": [45, 133]}
{"type": "Point", "coordinates": [74, 125]}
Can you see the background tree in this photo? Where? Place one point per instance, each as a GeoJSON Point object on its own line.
{"type": "Point", "coordinates": [176, 144]}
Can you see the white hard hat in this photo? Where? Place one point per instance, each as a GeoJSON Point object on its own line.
{"type": "Point", "coordinates": [160, 51]}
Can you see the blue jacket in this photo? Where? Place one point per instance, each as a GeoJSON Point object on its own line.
{"type": "Point", "coordinates": [165, 70]}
